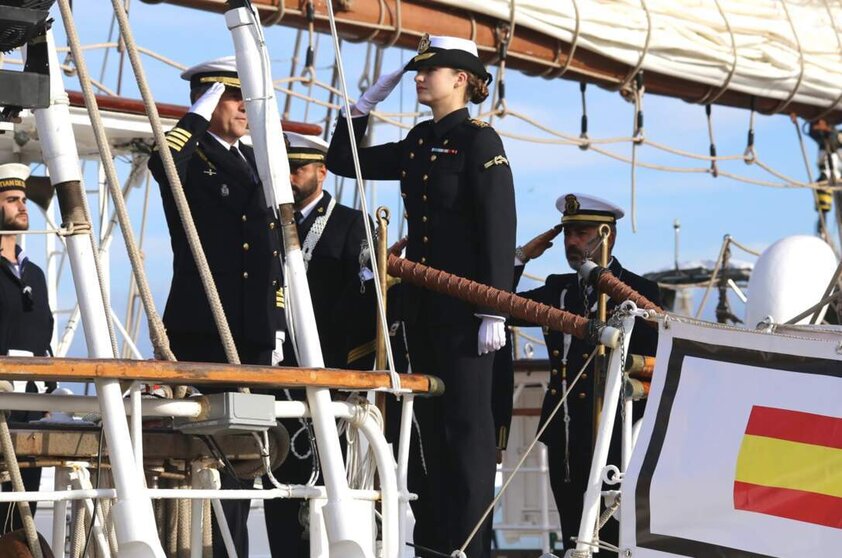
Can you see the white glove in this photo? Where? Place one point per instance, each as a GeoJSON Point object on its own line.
{"type": "Point", "coordinates": [278, 353]}
{"type": "Point", "coordinates": [205, 105]}
{"type": "Point", "coordinates": [492, 333]}
{"type": "Point", "coordinates": [378, 92]}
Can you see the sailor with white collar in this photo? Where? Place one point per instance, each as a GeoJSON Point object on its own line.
{"type": "Point", "coordinates": [239, 236]}
{"type": "Point", "coordinates": [569, 437]}
{"type": "Point", "coordinates": [26, 321]}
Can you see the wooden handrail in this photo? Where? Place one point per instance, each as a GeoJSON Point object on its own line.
{"type": "Point", "coordinates": [203, 373]}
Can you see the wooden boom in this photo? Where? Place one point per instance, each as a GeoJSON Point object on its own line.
{"type": "Point", "coordinates": [203, 373]}
{"type": "Point", "coordinates": [529, 51]}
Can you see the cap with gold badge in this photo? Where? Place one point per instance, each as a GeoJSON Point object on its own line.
{"type": "Point", "coordinates": [221, 70]}
{"type": "Point", "coordinates": [13, 176]}
{"type": "Point", "coordinates": [448, 52]}
{"type": "Point", "coordinates": [303, 150]}
{"type": "Point", "coordinates": [587, 210]}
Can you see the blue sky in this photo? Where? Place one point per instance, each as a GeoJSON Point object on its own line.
{"type": "Point", "coordinates": [707, 207]}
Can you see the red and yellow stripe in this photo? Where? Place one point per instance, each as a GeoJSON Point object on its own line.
{"type": "Point", "coordinates": [790, 465]}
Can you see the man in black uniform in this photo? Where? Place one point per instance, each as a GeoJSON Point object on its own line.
{"type": "Point", "coordinates": [570, 437]}
{"type": "Point", "coordinates": [459, 195]}
{"type": "Point", "coordinates": [341, 285]}
{"type": "Point", "coordinates": [26, 322]}
{"type": "Point", "coordinates": [239, 237]}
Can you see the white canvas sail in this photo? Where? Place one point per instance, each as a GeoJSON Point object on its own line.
{"type": "Point", "coordinates": [788, 50]}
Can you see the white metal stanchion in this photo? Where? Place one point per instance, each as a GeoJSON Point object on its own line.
{"type": "Point", "coordinates": [613, 388]}
{"type": "Point", "coordinates": [132, 512]}
{"type": "Point", "coordinates": [341, 511]}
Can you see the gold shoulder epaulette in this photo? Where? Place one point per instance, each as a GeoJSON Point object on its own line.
{"type": "Point", "coordinates": [479, 123]}
{"type": "Point", "coordinates": [177, 137]}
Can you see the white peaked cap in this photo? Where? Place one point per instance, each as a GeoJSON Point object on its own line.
{"type": "Point", "coordinates": [576, 207]}
{"type": "Point", "coordinates": [14, 170]}
{"type": "Point", "coordinates": [301, 141]}
{"type": "Point", "coordinates": [453, 43]}
{"type": "Point", "coordinates": [217, 68]}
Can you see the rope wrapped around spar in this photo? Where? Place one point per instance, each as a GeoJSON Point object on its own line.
{"type": "Point", "coordinates": [489, 297]}
{"type": "Point", "coordinates": [606, 282]}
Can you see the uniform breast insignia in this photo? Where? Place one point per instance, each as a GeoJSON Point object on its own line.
{"type": "Point", "coordinates": [498, 160]}
{"type": "Point", "coordinates": [444, 150]}
{"type": "Point", "coordinates": [223, 191]}
{"type": "Point", "coordinates": [479, 123]}
{"type": "Point", "coordinates": [209, 171]}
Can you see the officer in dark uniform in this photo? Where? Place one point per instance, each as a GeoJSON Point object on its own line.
{"type": "Point", "coordinates": [341, 284]}
{"type": "Point", "coordinates": [239, 237]}
{"type": "Point", "coordinates": [457, 186]}
{"type": "Point", "coordinates": [570, 437]}
{"type": "Point", "coordinates": [26, 321]}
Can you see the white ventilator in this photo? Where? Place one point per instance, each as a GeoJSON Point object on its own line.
{"type": "Point", "coordinates": [345, 518]}
{"type": "Point", "coordinates": [789, 277]}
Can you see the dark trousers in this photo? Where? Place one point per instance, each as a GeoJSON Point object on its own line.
{"type": "Point", "coordinates": [207, 348]}
{"type": "Point", "coordinates": [455, 478]}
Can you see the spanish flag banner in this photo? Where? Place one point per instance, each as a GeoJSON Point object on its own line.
{"type": "Point", "coordinates": [740, 449]}
{"type": "Point", "coordinates": [790, 465]}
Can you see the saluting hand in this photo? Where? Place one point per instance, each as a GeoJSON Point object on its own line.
{"type": "Point", "coordinates": [538, 245]}
{"type": "Point", "coordinates": [206, 104]}
{"type": "Point", "coordinates": [377, 92]}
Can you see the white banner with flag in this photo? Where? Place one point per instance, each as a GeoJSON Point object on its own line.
{"type": "Point", "coordinates": [740, 451]}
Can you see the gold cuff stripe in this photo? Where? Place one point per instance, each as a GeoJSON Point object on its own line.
{"type": "Point", "coordinates": [589, 218]}
{"type": "Point", "coordinates": [230, 81]}
{"type": "Point", "coordinates": [361, 351]}
{"type": "Point", "coordinates": [174, 145]}
{"type": "Point", "coordinates": [501, 437]}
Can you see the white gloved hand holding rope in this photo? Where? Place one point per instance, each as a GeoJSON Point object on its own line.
{"type": "Point", "coordinates": [492, 333]}
{"type": "Point", "coordinates": [206, 104]}
{"type": "Point", "coordinates": [384, 85]}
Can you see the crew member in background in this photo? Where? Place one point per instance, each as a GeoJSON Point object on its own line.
{"type": "Point", "coordinates": [26, 322]}
{"type": "Point", "coordinates": [341, 284]}
{"type": "Point", "coordinates": [570, 447]}
{"type": "Point", "coordinates": [239, 237]}
{"type": "Point", "coordinates": [457, 185]}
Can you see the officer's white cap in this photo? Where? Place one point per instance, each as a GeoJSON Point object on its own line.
{"type": "Point", "coordinates": [303, 149]}
{"type": "Point", "coordinates": [222, 70]}
{"type": "Point", "coordinates": [13, 176]}
{"type": "Point", "coordinates": [584, 208]}
{"type": "Point", "coordinates": [453, 43]}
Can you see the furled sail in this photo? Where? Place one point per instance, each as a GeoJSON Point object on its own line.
{"type": "Point", "coordinates": [781, 49]}
{"type": "Point", "coordinates": [778, 56]}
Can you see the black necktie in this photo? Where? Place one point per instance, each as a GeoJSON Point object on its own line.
{"type": "Point", "coordinates": [238, 154]}
{"type": "Point", "coordinates": [299, 217]}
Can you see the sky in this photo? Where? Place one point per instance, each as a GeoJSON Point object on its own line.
{"type": "Point", "coordinates": [707, 208]}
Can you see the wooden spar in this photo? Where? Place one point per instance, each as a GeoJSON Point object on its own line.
{"type": "Point", "coordinates": [202, 373]}
{"type": "Point", "coordinates": [166, 110]}
{"type": "Point", "coordinates": [529, 51]}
